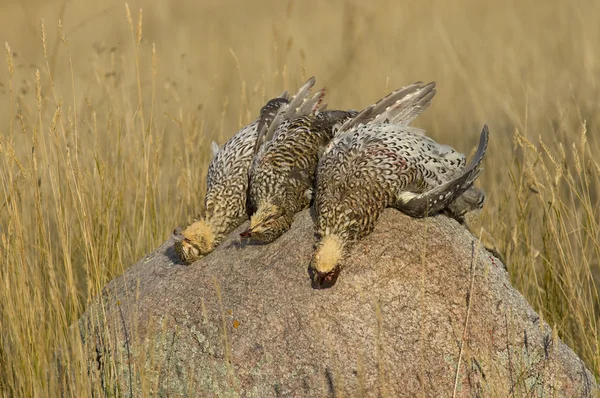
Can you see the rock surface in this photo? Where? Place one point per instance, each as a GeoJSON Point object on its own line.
{"type": "Point", "coordinates": [416, 299]}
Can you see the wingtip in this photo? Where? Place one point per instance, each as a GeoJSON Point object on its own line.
{"type": "Point", "coordinates": [481, 149]}
{"type": "Point", "coordinates": [485, 135]}
{"type": "Point", "coordinates": [215, 148]}
{"type": "Point", "coordinates": [426, 99]}
{"type": "Point", "coordinates": [320, 98]}
{"type": "Point", "coordinates": [427, 91]}
{"type": "Point", "coordinates": [309, 84]}
{"type": "Point", "coordinates": [401, 106]}
{"type": "Point", "coordinates": [485, 130]}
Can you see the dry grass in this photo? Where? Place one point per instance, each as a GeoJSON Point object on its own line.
{"type": "Point", "coordinates": [105, 124]}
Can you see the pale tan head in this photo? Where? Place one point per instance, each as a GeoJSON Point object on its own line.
{"type": "Point", "coordinates": [194, 242]}
{"type": "Point", "coordinates": [325, 263]}
{"type": "Point", "coordinates": [268, 223]}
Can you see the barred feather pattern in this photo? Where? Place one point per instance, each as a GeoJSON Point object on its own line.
{"type": "Point", "coordinates": [282, 173]}
{"type": "Point", "coordinates": [227, 182]}
{"type": "Point", "coordinates": [225, 202]}
{"type": "Point", "coordinates": [367, 172]}
{"type": "Point", "coordinates": [376, 160]}
{"type": "Point", "coordinates": [383, 165]}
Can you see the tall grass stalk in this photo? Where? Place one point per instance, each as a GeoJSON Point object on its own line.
{"type": "Point", "coordinates": [104, 149]}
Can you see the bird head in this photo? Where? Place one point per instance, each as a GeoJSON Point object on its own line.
{"type": "Point", "coordinates": [194, 242]}
{"type": "Point", "coordinates": [324, 266]}
{"type": "Point", "coordinates": [268, 223]}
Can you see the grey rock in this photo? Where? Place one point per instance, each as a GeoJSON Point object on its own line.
{"type": "Point", "coordinates": [244, 321]}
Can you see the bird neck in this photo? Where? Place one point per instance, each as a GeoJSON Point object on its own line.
{"type": "Point", "coordinates": [330, 251]}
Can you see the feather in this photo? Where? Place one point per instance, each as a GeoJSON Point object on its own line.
{"type": "Point", "coordinates": [279, 109]}
{"type": "Point", "coordinates": [438, 198]}
{"type": "Point", "coordinates": [308, 107]}
{"type": "Point", "coordinates": [302, 176]}
{"type": "Point", "coordinates": [400, 107]}
{"type": "Point", "coordinates": [299, 98]}
{"type": "Point", "coordinates": [268, 114]}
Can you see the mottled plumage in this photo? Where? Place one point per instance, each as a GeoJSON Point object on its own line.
{"type": "Point", "coordinates": [283, 171]}
{"type": "Point", "coordinates": [227, 182]}
{"type": "Point", "coordinates": [377, 161]}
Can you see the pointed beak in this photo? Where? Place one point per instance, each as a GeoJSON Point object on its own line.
{"type": "Point", "coordinates": [247, 233]}
{"type": "Point", "coordinates": [325, 280]}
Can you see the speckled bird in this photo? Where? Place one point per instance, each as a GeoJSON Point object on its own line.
{"type": "Point", "coordinates": [376, 161]}
{"type": "Point", "coordinates": [283, 171]}
{"type": "Point", "coordinates": [225, 202]}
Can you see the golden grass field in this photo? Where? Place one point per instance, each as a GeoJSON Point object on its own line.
{"type": "Point", "coordinates": [106, 124]}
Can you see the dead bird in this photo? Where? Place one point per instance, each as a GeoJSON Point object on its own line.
{"type": "Point", "coordinates": [283, 171]}
{"type": "Point", "coordinates": [225, 202]}
{"type": "Point", "coordinates": [376, 161]}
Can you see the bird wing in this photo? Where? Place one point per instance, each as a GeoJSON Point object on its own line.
{"type": "Point", "coordinates": [232, 156]}
{"type": "Point", "coordinates": [394, 156]}
{"type": "Point", "coordinates": [438, 198]}
{"type": "Point", "coordinates": [400, 108]}
{"type": "Point", "coordinates": [268, 113]}
{"type": "Point", "coordinates": [278, 110]}
{"type": "Point", "coordinates": [215, 148]}
{"type": "Point", "coordinates": [236, 151]}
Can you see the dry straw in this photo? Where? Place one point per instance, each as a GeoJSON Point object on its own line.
{"type": "Point", "coordinates": [114, 143]}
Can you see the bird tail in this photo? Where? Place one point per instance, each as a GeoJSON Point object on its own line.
{"type": "Point", "coordinates": [400, 107]}
{"type": "Point", "coordinates": [440, 197]}
{"type": "Point", "coordinates": [279, 109]}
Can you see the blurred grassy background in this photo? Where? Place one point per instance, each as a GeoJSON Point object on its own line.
{"type": "Point", "coordinates": [105, 153]}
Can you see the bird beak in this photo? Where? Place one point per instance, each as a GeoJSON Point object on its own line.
{"type": "Point", "coordinates": [247, 233]}
{"type": "Point", "coordinates": [324, 280]}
